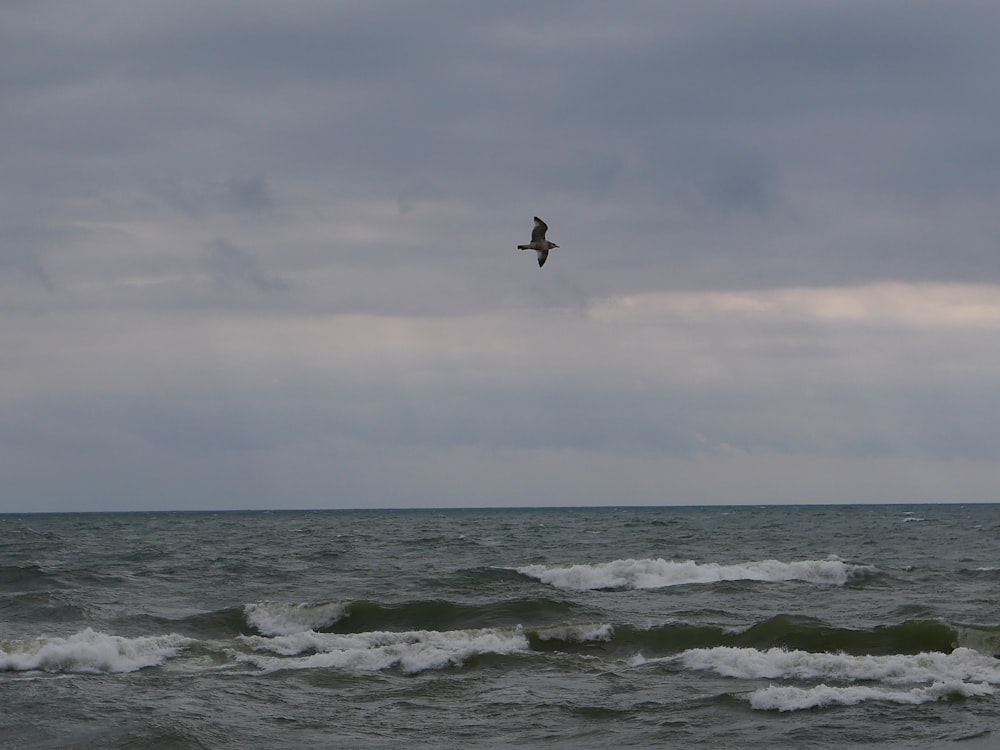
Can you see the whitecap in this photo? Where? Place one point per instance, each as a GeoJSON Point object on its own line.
{"type": "Point", "coordinates": [283, 618]}
{"type": "Point", "coordinates": [410, 652]}
{"type": "Point", "coordinates": [786, 698]}
{"type": "Point", "coordinates": [660, 573]}
{"type": "Point", "coordinates": [638, 660]}
{"type": "Point", "coordinates": [90, 652]}
{"type": "Point", "coordinates": [961, 665]}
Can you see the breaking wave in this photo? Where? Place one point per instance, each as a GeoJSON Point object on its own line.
{"type": "Point", "coordinates": [779, 698]}
{"type": "Point", "coordinates": [89, 652]}
{"type": "Point", "coordinates": [934, 675]}
{"type": "Point", "coordinates": [961, 665]}
{"type": "Point", "coordinates": [410, 652]}
{"type": "Point", "coordinates": [660, 573]}
{"type": "Point", "coordinates": [794, 634]}
{"type": "Point", "coordinates": [568, 634]}
{"type": "Point", "coordinates": [282, 618]}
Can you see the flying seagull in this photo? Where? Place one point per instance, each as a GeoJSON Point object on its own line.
{"type": "Point", "coordinates": [538, 242]}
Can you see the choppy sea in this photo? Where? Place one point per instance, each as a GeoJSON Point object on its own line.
{"type": "Point", "coordinates": [740, 627]}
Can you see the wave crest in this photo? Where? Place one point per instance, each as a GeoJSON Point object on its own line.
{"type": "Point", "coordinates": [582, 633]}
{"type": "Point", "coordinates": [89, 652]}
{"type": "Point", "coordinates": [410, 652]}
{"type": "Point", "coordinates": [283, 618]}
{"type": "Point", "coordinates": [961, 665]}
{"type": "Point", "coordinates": [660, 573]}
{"type": "Point", "coordinates": [782, 698]}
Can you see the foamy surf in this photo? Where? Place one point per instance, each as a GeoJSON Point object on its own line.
{"type": "Point", "coordinates": [660, 573]}
{"type": "Point", "coordinates": [432, 635]}
{"type": "Point", "coordinates": [935, 676]}
{"type": "Point", "coordinates": [282, 618]}
{"type": "Point", "coordinates": [961, 665]}
{"type": "Point", "coordinates": [781, 698]}
{"type": "Point", "coordinates": [89, 652]}
{"type": "Point", "coordinates": [410, 652]}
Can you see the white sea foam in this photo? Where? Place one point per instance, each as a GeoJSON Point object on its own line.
{"type": "Point", "coordinates": [935, 676]}
{"type": "Point", "coordinates": [89, 651]}
{"type": "Point", "coordinates": [282, 618]}
{"type": "Point", "coordinates": [638, 660]}
{"type": "Point", "coordinates": [659, 573]}
{"type": "Point", "coordinates": [410, 652]}
{"type": "Point", "coordinates": [781, 698]}
{"type": "Point", "coordinates": [963, 665]}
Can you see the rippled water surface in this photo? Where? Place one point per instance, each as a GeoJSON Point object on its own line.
{"type": "Point", "coordinates": [818, 627]}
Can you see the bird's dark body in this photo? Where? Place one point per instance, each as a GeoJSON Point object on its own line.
{"type": "Point", "coordinates": [538, 242]}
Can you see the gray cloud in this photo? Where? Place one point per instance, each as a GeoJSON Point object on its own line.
{"type": "Point", "coordinates": [332, 194]}
{"type": "Point", "coordinates": [21, 248]}
{"type": "Point", "coordinates": [247, 195]}
{"type": "Point", "coordinates": [231, 265]}
{"type": "Point", "coordinates": [236, 195]}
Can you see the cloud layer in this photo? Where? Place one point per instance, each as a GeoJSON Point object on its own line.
{"type": "Point", "coordinates": [262, 256]}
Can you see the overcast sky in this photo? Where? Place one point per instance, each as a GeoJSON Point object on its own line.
{"type": "Point", "coordinates": [263, 255]}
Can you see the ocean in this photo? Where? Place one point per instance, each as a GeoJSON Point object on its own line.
{"type": "Point", "coordinates": [737, 627]}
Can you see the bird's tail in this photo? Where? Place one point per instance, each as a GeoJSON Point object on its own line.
{"type": "Point", "coordinates": [523, 247]}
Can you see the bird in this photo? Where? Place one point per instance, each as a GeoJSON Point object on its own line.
{"type": "Point", "coordinates": [538, 242]}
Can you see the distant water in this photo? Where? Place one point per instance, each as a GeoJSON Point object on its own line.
{"type": "Point", "coordinates": [804, 627]}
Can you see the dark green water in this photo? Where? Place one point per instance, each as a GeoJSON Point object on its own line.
{"type": "Point", "coordinates": [806, 627]}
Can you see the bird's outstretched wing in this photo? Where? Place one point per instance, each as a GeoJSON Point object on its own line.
{"type": "Point", "coordinates": [542, 255]}
{"type": "Point", "coordinates": [538, 233]}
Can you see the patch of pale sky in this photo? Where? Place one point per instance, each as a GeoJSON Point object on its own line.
{"type": "Point", "coordinates": [893, 304]}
